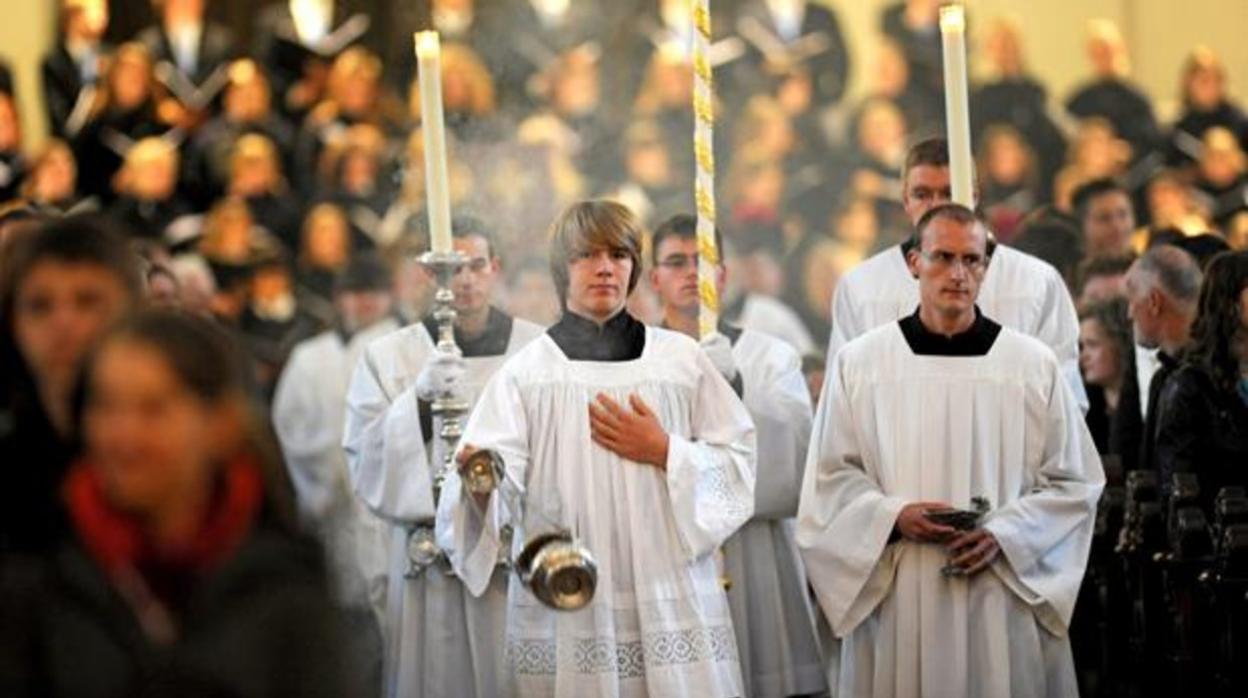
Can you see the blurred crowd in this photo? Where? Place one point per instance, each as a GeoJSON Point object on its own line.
{"type": "Point", "coordinates": [277, 189]}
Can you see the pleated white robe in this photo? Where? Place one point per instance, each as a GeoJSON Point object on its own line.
{"type": "Point", "coordinates": [308, 410]}
{"type": "Point", "coordinates": [440, 641]}
{"type": "Point", "coordinates": [659, 623]}
{"type": "Point", "coordinates": [1019, 291]}
{"type": "Point", "coordinates": [771, 612]}
{"type": "Point", "coordinates": [895, 427]}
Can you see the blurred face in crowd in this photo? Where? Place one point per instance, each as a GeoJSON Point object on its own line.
{"type": "Point", "coordinates": [1108, 224]}
{"type": "Point", "coordinates": [327, 240]}
{"type": "Point", "coordinates": [598, 282]}
{"type": "Point", "coordinates": [1222, 162]}
{"type": "Point", "coordinates": [474, 284]}
{"type": "Point", "coordinates": [149, 437]}
{"type": "Point", "coordinates": [950, 264]}
{"type": "Point", "coordinates": [925, 188]}
{"type": "Point", "coordinates": [162, 290]}
{"type": "Point", "coordinates": [1007, 161]}
{"type": "Point", "coordinates": [882, 133]}
{"type": "Point", "coordinates": [1144, 303]}
{"type": "Point", "coordinates": [648, 164]}
{"type": "Point", "coordinates": [1206, 87]}
{"type": "Point", "coordinates": [153, 178]}
{"type": "Point", "coordinates": [577, 88]}
{"type": "Point", "coordinates": [55, 177]}
{"type": "Point", "coordinates": [270, 283]}
{"type": "Point", "coordinates": [360, 309]}
{"type": "Point", "coordinates": [60, 309]}
{"type": "Point", "coordinates": [247, 99]}
{"type": "Point", "coordinates": [86, 19]}
{"type": "Point", "coordinates": [130, 80]}
{"type": "Point", "coordinates": [1098, 358]}
{"type": "Point", "coordinates": [179, 11]}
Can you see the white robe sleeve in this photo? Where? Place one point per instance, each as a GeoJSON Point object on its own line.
{"type": "Point", "coordinates": [780, 406]}
{"type": "Point", "coordinates": [309, 442]}
{"type": "Point", "coordinates": [844, 519]}
{"type": "Point", "coordinates": [1046, 533]}
{"type": "Point", "coordinates": [385, 448]}
{"type": "Point", "coordinates": [710, 476]}
{"type": "Point", "coordinates": [474, 539]}
{"type": "Point", "coordinates": [1059, 328]}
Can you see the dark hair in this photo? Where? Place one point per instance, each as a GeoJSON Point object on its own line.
{"type": "Point", "coordinates": [684, 226]}
{"type": "Point", "coordinates": [1112, 316]}
{"type": "Point", "coordinates": [1081, 199]}
{"type": "Point", "coordinates": [1218, 319]}
{"type": "Point", "coordinates": [953, 212]}
{"type": "Point", "coordinates": [1052, 236]}
{"type": "Point", "coordinates": [1105, 265]}
{"type": "Point", "coordinates": [933, 152]}
{"type": "Point", "coordinates": [83, 239]}
{"type": "Point", "coordinates": [212, 365]}
{"type": "Point", "coordinates": [465, 226]}
{"type": "Point", "coordinates": [588, 224]}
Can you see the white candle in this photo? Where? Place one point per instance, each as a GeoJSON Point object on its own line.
{"type": "Point", "coordinates": [957, 113]}
{"type": "Point", "coordinates": [437, 191]}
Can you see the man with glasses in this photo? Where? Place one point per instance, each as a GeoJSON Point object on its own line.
{"type": "Point", "coordinates": [771, 611]}
{"type": "Point", "coordinates": [950, 493]}
{"type": "Point", "coordinates": [1019, 291]}
{"type": "Point", "coordinates": [440, 640]}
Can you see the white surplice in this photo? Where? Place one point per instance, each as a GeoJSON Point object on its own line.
{"type": "Point", "coordinates": [1019, 291]}
{"type": "Point", "coordinates": [308, 411]}
{"type": "Point", "coordinates": [771, 612]}
{"type": "Point", "coordinates": [895, 427]}
{"type": "Point", "coordinates": [440, 641]}
{"type": "Point", "coordinates": [774, 318]}
{"type": "Point", "coordinates": [659, 623]}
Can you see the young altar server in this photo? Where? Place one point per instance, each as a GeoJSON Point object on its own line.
{"type": "Point", "coordinates": [629, 438]}
{"type": "Point", "coordinates": [927, 413]}
{"type": "Point", "coordinates": [771, 612]}
{"type": "Point", "coordinates": [1019, 291]}
{"type": "Point", "coordinates": [439, 640]}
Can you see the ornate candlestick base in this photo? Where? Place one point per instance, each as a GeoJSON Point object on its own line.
{"type": "Point", "coordinates": [449, 407]}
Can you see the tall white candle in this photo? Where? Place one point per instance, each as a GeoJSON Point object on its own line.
{"type": "Point", "coordinates": [437, 191]}
{"type": "Point", "coordinates": [957, 113]}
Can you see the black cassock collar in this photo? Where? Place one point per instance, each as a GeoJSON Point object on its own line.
{"type": "Point", "coordinates": [975, 341]}
{"type": "Point", "coordinates": [492, 342]}
{"type": "Point", "coordinates": [622, 338]}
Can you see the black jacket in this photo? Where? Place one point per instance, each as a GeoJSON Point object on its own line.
{"type": "Point", "coordinates": [1202, 430]}
{"type": "Point", "coordinates": [261, 624]}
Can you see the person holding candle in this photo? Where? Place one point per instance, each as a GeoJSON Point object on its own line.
{"type": "Point", "coordinates": [440, 640]}
{"type": "Point", "coordinates": [942, 409]}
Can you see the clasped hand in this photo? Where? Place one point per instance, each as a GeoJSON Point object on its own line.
{"type": "Point", "coordinates": [632, 434]}
{"type": "Point", "coordinates": [969, 551]}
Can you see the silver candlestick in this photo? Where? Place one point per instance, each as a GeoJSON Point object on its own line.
{"type": "Point", "coordinates": [448, 408]}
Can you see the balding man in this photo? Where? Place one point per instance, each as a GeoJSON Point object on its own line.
{"type": "Point", "coordinates": [941, 409]}
{"type": "Point", "coordinates": [1162, 289]}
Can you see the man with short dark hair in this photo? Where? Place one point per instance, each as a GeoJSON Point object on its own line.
{"type": "Point", "coordinates": [1102, 279]}
{"type": "Point", "coordinates": [440, 640]}
{"type": "Point", "coordinates": [1103, 209]}
{"type": "Point", "coordinates": [771, 612]}
{"type": "Point", "coordinates": [628, 437]}
{"type": "Point", "coordinates": [946, 408]}
{"type": "Point", "coordinates": [1018, 290]}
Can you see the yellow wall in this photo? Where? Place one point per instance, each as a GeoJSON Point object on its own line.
{"type": "Point", "coordinates": [26, 31]}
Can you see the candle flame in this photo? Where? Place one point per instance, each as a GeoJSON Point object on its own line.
{"type": "Point", "coordinates": [952, 18]}
{"type": "Point", "coordinates": [426, 44]}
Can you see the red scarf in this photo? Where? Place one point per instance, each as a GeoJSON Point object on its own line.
{"type": "Point", "coordinates": [115, 540]}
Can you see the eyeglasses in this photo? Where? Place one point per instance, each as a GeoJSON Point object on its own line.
{"type": "Point", "coordinates": [941, 260]}
{"type": "Point", "coordinates": [679, 262]}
